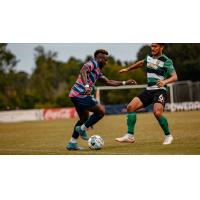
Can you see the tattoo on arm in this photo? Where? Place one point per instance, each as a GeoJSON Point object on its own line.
{"type": "Point", "coordinates": [83, 73]}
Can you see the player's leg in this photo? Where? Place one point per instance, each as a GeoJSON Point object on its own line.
{"type": "Point", "coordinates": [83, 104]}
{"type": "Point", "coordinates": [133, 106]}
{"type": "Point", "coordinates": [83, 116]}
{"type": "Point", "coordinates": [80, 127]}
{"type": "Point", "coordinates": [158, 109]}
{"type": "Point", "coordinates": [72, 145]}
{"type": "Point", "coordinates": [98, 114]}
{"type": "Point", "coordinates": [92, 105]}
{"type": "Point", "coordinates": [81, 108]}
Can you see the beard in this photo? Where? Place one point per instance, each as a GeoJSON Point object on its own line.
{"type": "Point", "coordinates": [101, 65]}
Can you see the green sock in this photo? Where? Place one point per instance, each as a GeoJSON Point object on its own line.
{"type": "Point", "coordinates": [164, 125]}
{"type": "Point", "coordinates": [131, 120]}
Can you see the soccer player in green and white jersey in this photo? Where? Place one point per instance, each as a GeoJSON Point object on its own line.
{"type": "Point", "coordinates": [160, 72]}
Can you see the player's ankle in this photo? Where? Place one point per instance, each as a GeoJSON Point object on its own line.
{"type": "Point", "coordinates": [73, 140]}
{"type": "Point", "coordinates": [130, 135]}
{"type": "Point", "coordinates": [83, 127]}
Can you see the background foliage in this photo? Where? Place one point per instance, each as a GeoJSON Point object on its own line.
{"type": "Point", "coordinates": [50, 82]}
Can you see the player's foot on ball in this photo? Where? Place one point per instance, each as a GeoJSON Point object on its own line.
{"type": "Point", "coordinates": [74, 146]}
{"type": "Point", "coordinates": [168, 140]}
{"type": "Point", "coordinates": [82, 133]}
{"type": "Point", "coordinates": [128, 138]}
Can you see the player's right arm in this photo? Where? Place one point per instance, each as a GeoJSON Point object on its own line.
{"type": "Point", "coordinates": [136, 65]}
{"type": "Point", "coordinates": [83, 73]}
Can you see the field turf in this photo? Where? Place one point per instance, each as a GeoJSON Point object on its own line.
{"type": "Point", "coordinates": [50, 137]}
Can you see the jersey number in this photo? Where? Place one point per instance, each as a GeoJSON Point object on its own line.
{"type": "Point", "coordinates": [161, 98]}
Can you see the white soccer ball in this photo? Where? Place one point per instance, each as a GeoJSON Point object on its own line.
{"type": "Point", "coordinates": [95, 142]}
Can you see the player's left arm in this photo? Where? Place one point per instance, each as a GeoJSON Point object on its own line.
{"type": "Point", "coordinates": [172, 75]}
{"type": "Point", "coordinates": [173, 78]}
{"type": "Point", "coordinates": [115, 83]}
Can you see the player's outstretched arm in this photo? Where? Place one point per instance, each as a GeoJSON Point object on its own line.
{"type": "Point", "coordinates": [136, 65]}
{"type": "Point", "coordinates": [115, 83]}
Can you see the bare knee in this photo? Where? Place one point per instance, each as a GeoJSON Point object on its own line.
{"type": "Point", "coordinates": [157, 113]}
{"type": "Point", "coordinates": [130, 108]}
{"type": "Point", "coordinates": [134, 105]}
{"type": "Point", "coordinates": [158, 110]}
{"type": "Point", "coordinates": [101, 111]}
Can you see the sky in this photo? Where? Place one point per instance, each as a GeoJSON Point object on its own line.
{"type": "Point", "coordinates": [25, 51]}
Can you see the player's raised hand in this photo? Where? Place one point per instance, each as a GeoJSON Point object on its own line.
{"type": "Point", "coordinates": [131, 82]}
{"type": "Point", "coordinates": [123, 70]}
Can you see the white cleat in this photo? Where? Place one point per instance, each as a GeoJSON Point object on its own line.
{"type": "Point", "coordinates": [128, 138]}
{"type": "Point", "coordinates": [168, 140]}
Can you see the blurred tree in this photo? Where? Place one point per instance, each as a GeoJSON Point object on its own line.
{"type": "Point", "coordinates": [51, 80]}
{"type": "Point", "coordinates": [16, 89]}
{"type": "Point", "coordinates": [8, 61]}
{"type": "Point", "coordinates": [45, 77]}
{"type": "Point", "coordinates": [186, 60]}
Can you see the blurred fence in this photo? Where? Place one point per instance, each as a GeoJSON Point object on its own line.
{"type": "Point", "coordinates": [184, 96]}
{"type": "Point", "coordinates": [186, 91]}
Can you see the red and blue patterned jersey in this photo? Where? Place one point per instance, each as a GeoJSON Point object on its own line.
{"type": "Point", "coordinates": [93, 74]}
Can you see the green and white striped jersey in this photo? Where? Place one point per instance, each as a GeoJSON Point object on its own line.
{"type": "Point", "coordinates": [158, 69]}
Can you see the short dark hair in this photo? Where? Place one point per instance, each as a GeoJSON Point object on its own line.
{"type": "Point", "coordinates": [162, 44]}
{"type": "Point", "coordinates": [103, 51]}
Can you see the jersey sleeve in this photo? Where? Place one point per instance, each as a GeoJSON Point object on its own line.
{"type": "Point", "coordinates": [89, 66]}
{"type": "Point", "coordinates": [170, 67]}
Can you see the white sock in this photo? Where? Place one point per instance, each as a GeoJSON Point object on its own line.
{"type": "Point", "coordinates": [129, 135]}
{"type": "Point", "coordinates": [73, 140]}
{"type": "Point", "coordinates": [83, 127]}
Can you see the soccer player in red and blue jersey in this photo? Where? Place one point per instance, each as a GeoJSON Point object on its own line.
{"type": "Point", "coordinates": [82, 99]}
{"type": "Point", "coordinates": [160, 72]}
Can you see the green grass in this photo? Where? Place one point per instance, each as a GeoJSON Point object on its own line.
{"type": "Point", "coordinates": [50, 137]}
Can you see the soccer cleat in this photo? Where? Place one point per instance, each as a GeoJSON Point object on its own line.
{"type": "Point", "coordinates": [168, 140]}
{"type": "Point", "coordinates": [82, 133]}
{"type": "Point", "coordinates": [74, 146]}
{"type": "Point", "coordinates": [128, 138]}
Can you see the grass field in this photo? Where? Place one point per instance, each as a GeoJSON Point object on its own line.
{"type": "Point", "coordinates": [50, 137]}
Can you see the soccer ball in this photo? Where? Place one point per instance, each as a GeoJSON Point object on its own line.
{"type": "Point", "coordinates": [95, 142]}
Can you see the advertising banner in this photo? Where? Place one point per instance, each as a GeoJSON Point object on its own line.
{"type": "Point", "coordinates": [59, 113]}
